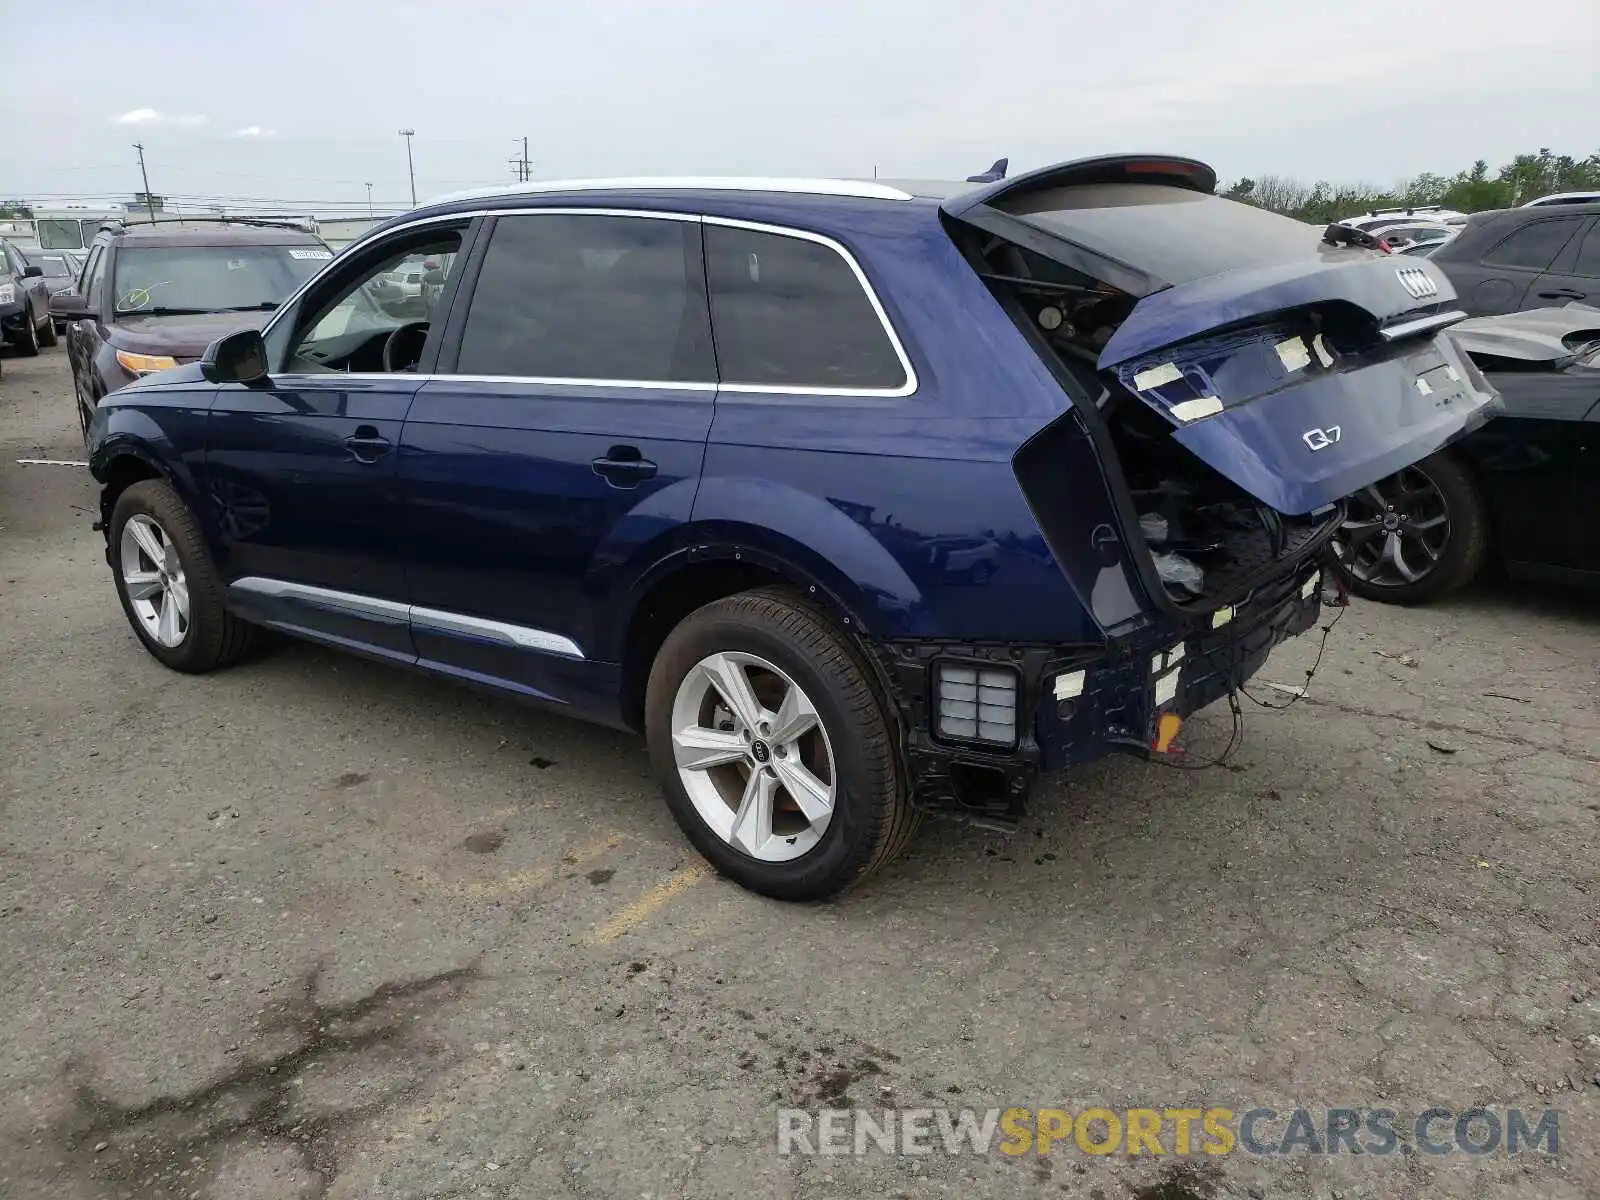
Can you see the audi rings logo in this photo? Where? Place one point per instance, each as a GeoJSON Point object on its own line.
{"type": "Point", "coordinates": [1418, 282]}
{"type": "Point", "coordinates": [1320, 439]}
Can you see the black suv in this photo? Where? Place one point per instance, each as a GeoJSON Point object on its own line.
{"type": "Point", "coordinates": [1514, 259]}
{"type": "Point", "coordinates": [156, 294]}
{"type": "Point", "coordinates": [24, 303]}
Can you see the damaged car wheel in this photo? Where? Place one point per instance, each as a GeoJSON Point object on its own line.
{"type": "Point", "coordinates": [1414, 535]}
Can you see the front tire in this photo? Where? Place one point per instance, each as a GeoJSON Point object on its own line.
{"type": "Point", "coordinates": [169, 588]}
{"type": "Point", "coordinates": [27, 343]}
{"type": "Point", "coordinates": [774, 749]}
{"type": "Point", "coordinates": [1416, 535]}
{"type": "Point", "coordinates": [48, 334]}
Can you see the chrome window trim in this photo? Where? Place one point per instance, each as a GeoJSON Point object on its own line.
{"type": "Point", "coordinates": [907, 388]}
{"type": "Point", "coordinates": [433, 619]}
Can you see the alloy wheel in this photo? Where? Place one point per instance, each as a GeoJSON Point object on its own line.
{"type": "Point", "coordinates": [753, 756]}
{"type": "Point", "coordinates": [154, 580]}
{"type": "Point", "coordinates": [1395, 531]}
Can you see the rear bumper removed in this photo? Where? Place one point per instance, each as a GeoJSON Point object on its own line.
{"type": "Point", "coordinates": [1076, 704]}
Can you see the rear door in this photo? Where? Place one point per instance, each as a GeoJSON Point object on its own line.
{"type": "Point", "coordinates": [1573, 276]}
{"type": "Point", "coordinates": [566, 428]}
{"type": "Point", "coordinates": [1503, 279]}
{"type": "Point", "coordinates": [1299, 370]}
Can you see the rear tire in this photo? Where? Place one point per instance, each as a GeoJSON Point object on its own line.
{"type": "Point", "coordinates": [787, 642]}
{"type": "Point", "coordinates": [209, 636]}
{"type": "Point", "coordinates": [1462, 554]}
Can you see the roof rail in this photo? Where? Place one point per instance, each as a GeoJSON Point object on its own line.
{"type": "Point", "coordinates": [207, 219]}
{"type": "Point", "coordinates": [865, 188]}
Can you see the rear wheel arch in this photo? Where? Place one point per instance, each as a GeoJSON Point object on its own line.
{"type": "Point", "coordinates": [665, 598]}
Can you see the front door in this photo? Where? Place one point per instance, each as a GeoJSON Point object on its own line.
{"type": "Point", "coordinates": [566, 431]}
{"type": "Point", "coordinates": [301, 471]}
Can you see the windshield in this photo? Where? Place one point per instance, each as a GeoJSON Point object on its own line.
{"type": "Point", "coordinates": [61, 233]}
{"type": "Point", "coordinates": [212, 278]}
{"type": "Point", "coordinates": [1173, 234]}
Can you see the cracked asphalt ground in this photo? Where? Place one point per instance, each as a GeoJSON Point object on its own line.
{"type": "Point", "coordinates": [314, 928]}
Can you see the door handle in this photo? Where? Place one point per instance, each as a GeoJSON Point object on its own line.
{"type": "Point", "coordinates": [367, 445]}
{"type": "Point", "coordinates": [1562, 294]}
{"type": "Point", "coordinates": [624, 467]}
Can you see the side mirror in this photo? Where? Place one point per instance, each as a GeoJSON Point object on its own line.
{"type": "Point", "coordinates": [33, 272]}
{"type": "Point", "coordinates": [69, 306]}
{"type": "Point", "coordinates": [238, 358]}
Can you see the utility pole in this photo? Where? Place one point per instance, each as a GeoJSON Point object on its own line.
{"type": "Point", "coordinates": [521, 167]}
{"type": "Point", "coordinates": [369, 202]}
{"type": "Point", "coordinates": [149, 200]}
{"type": "Point", "coordinates": [408, 134]}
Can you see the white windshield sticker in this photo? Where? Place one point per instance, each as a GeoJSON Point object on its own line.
{"type": "Point", "coordinates": [314, 254]}
{"type": "Point", "coordinates": [1193, 410]}
{"type": "Point", "coordinates": [1069, 686]}
{"type": "Point", "coordinates": [1293, 355]}
{"type": "Point", "coordinates": [1156, 376]}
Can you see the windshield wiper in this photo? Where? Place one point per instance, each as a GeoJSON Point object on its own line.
{"type": "Point", "coordinates": [264, 306]}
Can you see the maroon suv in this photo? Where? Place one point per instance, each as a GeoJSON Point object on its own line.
{"type": "Point", "coordinates": [156, 294]}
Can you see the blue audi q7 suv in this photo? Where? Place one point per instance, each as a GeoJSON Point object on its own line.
{"type": "Point", "coordinates": [858, 501]}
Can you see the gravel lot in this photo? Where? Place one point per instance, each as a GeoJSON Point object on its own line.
{"type": "Point", "coordinates": [314, 928]}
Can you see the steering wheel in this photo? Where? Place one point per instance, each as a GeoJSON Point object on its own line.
{"type": "Point", "coordinates": [403, 347]}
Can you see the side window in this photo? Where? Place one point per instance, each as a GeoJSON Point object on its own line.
{"type": "Point", "coordinates": [1589, 253]}
{"type": "Point", "coordinates": [790, 312]}
{"type": "Point", "coordinates": [93, 273]}
{"type": "Point", "coordinates": [573, 296]}
{"type": "Point", "coordinates": [344, 328]}
{"type": "Point", "coordinates": [1533, 247]}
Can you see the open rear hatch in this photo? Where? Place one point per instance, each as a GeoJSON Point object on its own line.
{"type": "Point", "coordinates": [1243, 372]}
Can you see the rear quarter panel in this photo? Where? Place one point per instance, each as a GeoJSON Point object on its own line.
{"type": "Point", "coordinates": [906, 509]}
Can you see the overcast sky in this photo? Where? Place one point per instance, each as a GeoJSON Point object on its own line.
{"type": "Point", "coordinates": [301, 101]}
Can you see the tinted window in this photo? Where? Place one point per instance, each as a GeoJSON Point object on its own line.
{"type": "Point", "coordinates": [1533, 246]}
{"type": "Point", "coordinates": [1170, 233]}
{"type": "Point", "coordinates": [590, 297]}
{"type": "Point", "coordinates": [790, 312]}
{"type": "Point", "coordinates": [212, 278]}
{"type": "Point", "coordinates": [94, 274]}
{"type": "Point", "coordinates": [1589, 253]}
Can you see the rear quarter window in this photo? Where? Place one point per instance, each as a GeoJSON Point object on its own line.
{"type": "Point", "coordinates": [790, 313]}
{"type": "Point", "coordinates": [1173, 234]}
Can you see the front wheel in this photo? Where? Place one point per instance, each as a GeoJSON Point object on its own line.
{"type": "Point", "coordinates": [169, 589]}
{"type": "Point", "coordinates": [27, 343]}
{"type": "Point", "coordinates": [1415, 535]}
{"type": "Point", "coordinates": [47, 332]}
{"type": "Point", "coordinates": [773, 748]}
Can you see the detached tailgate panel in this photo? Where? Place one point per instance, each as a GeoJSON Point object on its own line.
{"type": "Point", "coordinates": [1301, 382]}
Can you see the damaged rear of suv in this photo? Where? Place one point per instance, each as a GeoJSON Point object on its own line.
{"type": "Point", "coordinates": [858, 501]}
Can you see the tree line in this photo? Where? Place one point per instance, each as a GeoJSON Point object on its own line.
{"type": "Point", "coordinates": [1526, 177]}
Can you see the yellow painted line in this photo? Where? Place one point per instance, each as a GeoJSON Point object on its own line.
{"type": "Point", "coordinates": [641, 909]}
{"type": "Point", "coordinates": [538, 877]}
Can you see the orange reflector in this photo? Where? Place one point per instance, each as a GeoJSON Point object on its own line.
{"type": "Point", "coordinates": [1167, 726]}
